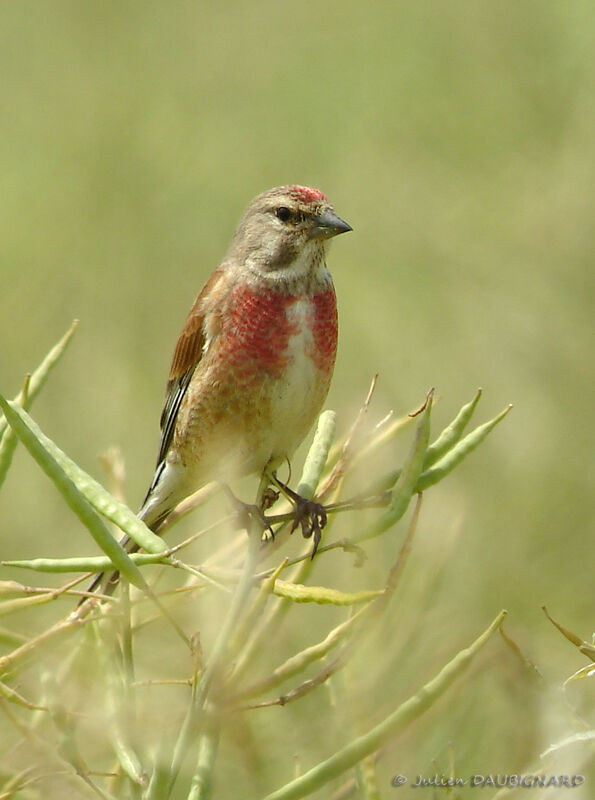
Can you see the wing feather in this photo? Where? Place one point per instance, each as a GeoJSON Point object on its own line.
{"type": "Point", "coordinates": [187, 355]}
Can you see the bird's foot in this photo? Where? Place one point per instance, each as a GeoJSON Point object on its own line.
{"type": "Point", "coordinates": [246, 513]}
{"type": "Point", "coordinates": [269, 498]}
{"type": "Point", "coordinates": [308, 514]}
{"type": "Point", "coordinates": [311, 516]}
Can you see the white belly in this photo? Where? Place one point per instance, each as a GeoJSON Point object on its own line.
{"type": "Point", "coordinates": [293, 395]}
{"type": "Point", "coordinates": [297, 395]}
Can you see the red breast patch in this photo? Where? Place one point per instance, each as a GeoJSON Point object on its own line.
{"type": "Point", "coordinates": [258, 332]}
{"type": "Point", "coordinates": [324, 330]}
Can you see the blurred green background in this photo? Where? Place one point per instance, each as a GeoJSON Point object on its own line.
{"type": "Point", "coordinates": [458, 140]}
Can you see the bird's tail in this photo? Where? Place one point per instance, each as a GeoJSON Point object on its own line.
{"type": "Point", "coordinates": [107, 583]}
{"type": "Point", "coordinates": [165, 492]}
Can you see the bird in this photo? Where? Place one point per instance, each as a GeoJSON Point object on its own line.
{"type": "Point", "coordinates": [253, 363]}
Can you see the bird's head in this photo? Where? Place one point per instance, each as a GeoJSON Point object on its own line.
{"type": "Point", "coordinates": [283, 232]}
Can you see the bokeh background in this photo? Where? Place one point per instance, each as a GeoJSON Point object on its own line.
{"type": "Point", "coordinates": [457, 139]}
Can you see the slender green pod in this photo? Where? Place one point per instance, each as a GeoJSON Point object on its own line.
{"type": "Point", "coordinates": [83, 564]}
{"type": "Point", "coordinates": [322, 595]}
{"type": "Point", "coordinates": [246, 626]}
{"type": "Point", "coordinates": [13, 696]}
{"type": "Point", "coordinates": [39, 377]}
{"type": "Point", "coordinates": [452, 433]}
{"type": "Point", "coordinates": [33, 385]}
{"type": "Point", "coordinates": [94, 494]}
{"type": "Point", "coordinates": [406, 484]}
{"type": "Point", "coordinates": [392, 725]}
{"type": "Point", "coordinates": [446, 452]}
{"type": "Point", "coordinates": [369, 779]}
{"type": "Point", "coordinates": [298, 662]}
{"type": "Point", "coordinates": [318, 454]}
{"type": "Point", "coordinates": [116, 708]}
{"type": "Point", "coordinates": [44, 452]}
{"type": "Point", "coordinates": [201, 785]}
{"type": "Point", "coordinates": [19, 603]}
{"type": "Point", "coordinates": [460, 451]}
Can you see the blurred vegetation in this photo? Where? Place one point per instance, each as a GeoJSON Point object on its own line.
{"type": "Point", "coordinates": [97, 644]}
{"type": "Point", "coordinates": [457, 139]}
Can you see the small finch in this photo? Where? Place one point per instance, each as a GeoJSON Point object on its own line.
{"type": "Point", "coordinates": [253, 363]}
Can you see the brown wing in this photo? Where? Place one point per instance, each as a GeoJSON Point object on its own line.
{"type": "Point", "coordinates": [187, 354]}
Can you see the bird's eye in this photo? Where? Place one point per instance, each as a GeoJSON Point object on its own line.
{"type": "Point", "coordinates": [283, 213]}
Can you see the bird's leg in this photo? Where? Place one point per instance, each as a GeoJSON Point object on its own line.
{"type": "Point", "coordinates": [245, 512]}
{"type": "Point", "coordinates": [309, 515]}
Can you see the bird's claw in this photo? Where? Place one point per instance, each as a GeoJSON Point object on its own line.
{"type": "Point", "coordinates": [308, 514]}
{"type": "Point", "coordinates": [269, 498]}
{"type": "Point", "coordinates": [312, 518]}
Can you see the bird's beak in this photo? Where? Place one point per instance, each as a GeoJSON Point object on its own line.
{"type": "Point", "coordinates": [328, 224]}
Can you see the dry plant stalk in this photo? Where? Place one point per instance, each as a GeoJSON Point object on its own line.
{"type": "Point", "coordinates": [51, 711]}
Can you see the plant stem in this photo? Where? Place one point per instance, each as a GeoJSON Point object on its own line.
{"type": "Point", "coordinates": [215, 664]}
{"type": "Point", "coordinates": [366, 744]}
